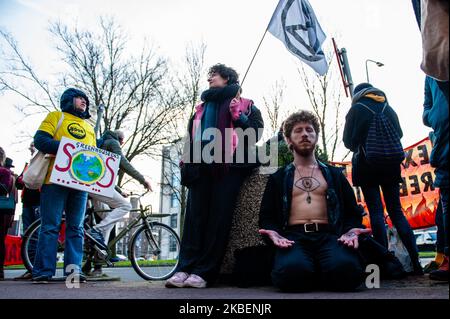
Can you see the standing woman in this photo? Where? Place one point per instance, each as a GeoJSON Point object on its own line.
{"type": "Point", "coordinates": [214, 182]}
{"type": "Point", "coordinates": [368, 101]}
{"type": "Point", "coordinates": [55, 199]}
{"type": "Point", "coordinates": [6, 215]}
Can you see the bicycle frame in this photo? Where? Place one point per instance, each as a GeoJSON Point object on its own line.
{"type": "Point", "coordinates": [121, 235]}
{"type": "Point", "coordinates": [134, 223]}
{"type": "Point", "coordinates": [141, 225]}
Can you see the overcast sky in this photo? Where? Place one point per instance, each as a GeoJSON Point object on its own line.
{"type": "Point", "coordinates": [382, 30]}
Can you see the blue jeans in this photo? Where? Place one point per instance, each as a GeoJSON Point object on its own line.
{"type": "Point", "coordinates": [391, 195]}
{"type": "Point", "coordinates": [54, 200]}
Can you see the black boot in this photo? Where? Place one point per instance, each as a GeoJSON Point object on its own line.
{"type": "Point", "coordinates": [86, 269]}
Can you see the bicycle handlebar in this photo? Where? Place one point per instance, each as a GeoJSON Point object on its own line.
{"type": "Point", "coordinates": [137, 195]}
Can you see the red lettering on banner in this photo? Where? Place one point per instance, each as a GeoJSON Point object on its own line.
{"type": "Point", "coordinates": [111, 171]}
{"type": "Point", "coordinates": [66, 151]}
{"type": "Point", "coordinates": [12, 255]}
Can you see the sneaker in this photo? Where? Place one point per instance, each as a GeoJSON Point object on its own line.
{"type": "Point", "coordinates": [82, 278]}
{"type": "Point", "coordinates": [98, 237]}
{"type": "Point", "coordinates": [41, 279]}
{"type": "Point", "coordinates": [442, 273]}
{"type": "Point", "coordinates": [195, 281]}
{"type": "Point", "coordinates": [25, 276]}
{"type": "Point", "coordinates": [432, 265]}
{"type": "Point", "coordinates": [177, 280]}
{"type": "Point", "coordinates": [97, 273]}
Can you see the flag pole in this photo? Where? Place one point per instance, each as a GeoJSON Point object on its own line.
{"type": "Point", "coordinates": [254, 55]}
{"type": "Point", "coordinates": [257, 49]}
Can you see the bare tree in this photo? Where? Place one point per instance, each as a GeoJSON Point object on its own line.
{"type": "Point", "coordinates": [273, 107]}
{"type": "Point", "coordinates": [185, 92]}
{"type": "Point", "coordinates": [195, 70]}
{"type": "Point", "coordinates": [18, 76]}
{"type": "Point", "coordinates": [325, 97]}
{"type": "Point", "coordinates": [131, 86]}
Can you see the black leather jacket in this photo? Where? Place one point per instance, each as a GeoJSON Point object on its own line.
{"type": "Point", "coordinates": [343, 211]}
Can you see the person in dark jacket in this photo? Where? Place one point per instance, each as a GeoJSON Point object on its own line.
{"type": "Point", "coordinates": [56, 199]}
{"type": "Point", "coordinates": [435, 115]}
{"type": "Point", "coordinates": [30, 211]}
{"type": "Point", "coordinates": [309, 212]}
{"type": "Point", "coordinates": [217, 176]}
{"type": "Point", "coordinates": [371, 177]}
{"type": "Point", "coordinates": [111, 141]}
{"type": "Point", "coordinates": [5, 174]}
{"type": "Point", "coordinates": [6, 216]}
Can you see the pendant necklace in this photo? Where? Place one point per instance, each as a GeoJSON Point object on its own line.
{"type": "Point", "coordinates": [306, 183]}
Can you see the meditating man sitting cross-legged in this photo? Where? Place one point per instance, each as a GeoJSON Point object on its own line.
{"type": "Point", "coordinates": [309, 212]}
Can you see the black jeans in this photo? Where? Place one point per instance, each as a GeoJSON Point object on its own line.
{"type": "Point", "coordinates": [316, 260]}
{"type": "Point", "coordinates": [391, 195]}
{"type": "Point", "coordinates": [440, 234]}
{"type": "Point", "coordinates": [444, 202]}
{"type": "Point", "coordinates": [209, 213]}
{"type": "Point", "coordinates": [5, 223]}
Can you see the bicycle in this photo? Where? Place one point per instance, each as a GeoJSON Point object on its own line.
{"type": "Point", "coordinates": [153, 248]}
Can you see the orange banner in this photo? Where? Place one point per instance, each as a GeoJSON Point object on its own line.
{"type": "Point", "coordinates": [418, 196]}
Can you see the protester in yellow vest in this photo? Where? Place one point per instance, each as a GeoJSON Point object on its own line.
{"type": "Point", "coordinates": [56, 199]}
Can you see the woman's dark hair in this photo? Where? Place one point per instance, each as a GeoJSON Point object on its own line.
{"type": "Point", "coordinates": [298, 117]}
{"type": "Point", "coordinates": [225, 72]}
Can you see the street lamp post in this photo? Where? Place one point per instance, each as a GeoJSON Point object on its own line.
{"type": "Point", "coordinates": [379, 64]}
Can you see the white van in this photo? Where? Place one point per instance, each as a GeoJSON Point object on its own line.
{"type": "Point", "coordinates": [426, 239]}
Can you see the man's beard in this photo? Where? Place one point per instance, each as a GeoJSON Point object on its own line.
{"type": "Point", "coordinates": [304, 151]}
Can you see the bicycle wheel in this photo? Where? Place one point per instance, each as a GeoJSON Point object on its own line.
{"type": "Point", "coordinates": [29, 245]}
{"type": "Point", "coordinates": [154, 253]}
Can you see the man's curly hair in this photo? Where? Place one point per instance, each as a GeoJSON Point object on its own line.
{"type": "Point", "coordinates": [298, 117]}
{"type": "Point", "coordinates": [225, 72]}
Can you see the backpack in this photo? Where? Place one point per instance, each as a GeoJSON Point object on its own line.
{"type": "Point", "coordinates": [382, 146]}
{"type": "Point", "coordinates": [373, 252]}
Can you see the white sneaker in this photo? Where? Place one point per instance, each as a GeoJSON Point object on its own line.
{"type": "Point", "coordinates": [195, 281]}
{"type": "Point", "coordinates": [177, 280]}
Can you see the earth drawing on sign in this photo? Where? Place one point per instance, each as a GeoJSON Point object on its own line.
{"type": "Point", "coordinates": [87, 167]}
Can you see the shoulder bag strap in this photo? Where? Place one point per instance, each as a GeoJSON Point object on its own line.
{"type": "Point", "coordinates": [367, 107]}
{"type": "Point", "coordinates": [61, 119]}
{"type": "Point", "coordinates": [4, 187]}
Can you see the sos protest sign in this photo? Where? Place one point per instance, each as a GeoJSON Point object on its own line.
{"type": "Point", "coordinates": [85, 168]}
{"type": "Point", "coordinates": [418, 196]}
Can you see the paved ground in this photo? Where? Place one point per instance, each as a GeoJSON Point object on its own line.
{"type": "Point", "coordinates": [132, 287]}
